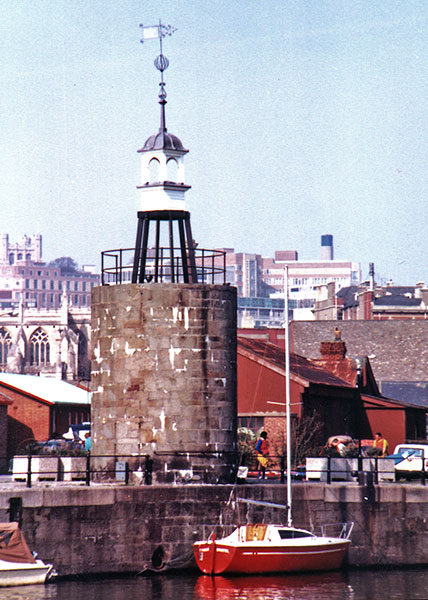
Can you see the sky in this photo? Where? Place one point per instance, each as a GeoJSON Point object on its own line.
{"type": "Point", "coordinates": [302, 118]}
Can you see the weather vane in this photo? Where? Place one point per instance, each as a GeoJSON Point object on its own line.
{"type": "Point", "coordinates": [152, 32]}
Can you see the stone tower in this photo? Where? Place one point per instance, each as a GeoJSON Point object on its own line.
{"type": "Point", "coordinates": [164, 345]}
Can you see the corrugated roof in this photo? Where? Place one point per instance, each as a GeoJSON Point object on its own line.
{"type": "Point", "coordinates": [299, 365]}
{"type": "Point", "coordinates": [54, 391]}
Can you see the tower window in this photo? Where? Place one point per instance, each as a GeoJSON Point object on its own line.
{"type": "Point", "coordinates": [172, 170]}
{"type": "Point", "coordinates": [154, 170]}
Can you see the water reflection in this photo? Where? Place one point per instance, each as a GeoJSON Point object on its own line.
{"type": "Point", "coordinates": [393, 584]}
{"type": "Point", "coordinates": [271, 587]}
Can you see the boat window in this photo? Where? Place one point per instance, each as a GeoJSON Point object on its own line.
{"type": "Point", "coordinates": [288, 534]}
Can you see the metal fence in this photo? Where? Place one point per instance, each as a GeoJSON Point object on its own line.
{"type": "Point", "coordinates": [139, 468]}
{"type": "Point", "coordinates": [117, 266]}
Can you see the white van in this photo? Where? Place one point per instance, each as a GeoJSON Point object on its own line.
{"type": "Point", "coordinates": [408, 460]}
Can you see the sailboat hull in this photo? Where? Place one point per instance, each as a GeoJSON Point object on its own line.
{"type": "Point", "coordinates": [308, 554]}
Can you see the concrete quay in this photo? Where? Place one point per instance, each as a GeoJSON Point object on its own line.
{"type": "Point", "coordinates": [112, 528]}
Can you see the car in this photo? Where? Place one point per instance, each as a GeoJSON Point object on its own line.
{"type": "Point", "coordinates": [410, 460]}
{"type": "Point", "coordinates": [77, 432]}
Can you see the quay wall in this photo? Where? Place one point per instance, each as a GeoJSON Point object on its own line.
{"type": "Point", "coordinates": [117, 528]}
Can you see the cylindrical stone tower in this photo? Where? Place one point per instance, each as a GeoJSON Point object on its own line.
{"type": "Point", "coordinates": [164, 379]}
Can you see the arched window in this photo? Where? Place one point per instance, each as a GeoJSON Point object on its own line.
{"type": "Point", "coordinates": [11, 259]}
{"type": "Point", "coordinates": [171, 169]}
{"type": "Point", "coordinates": [154, 175]}
{"type": "Point", "coordinates": [20, 256]}
{"type": "Point", "coordinates": [5, 343]}
{"type": "Point", "coordinates": [39, 348]}
{"type": "Point", "coordinates": [28, 257]}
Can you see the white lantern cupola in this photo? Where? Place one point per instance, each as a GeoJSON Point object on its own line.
{"type": "Point", "coordinates": [162, 199]}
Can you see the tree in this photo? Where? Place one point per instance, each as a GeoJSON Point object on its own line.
{"type": "Point", "coordinates": [65, 263]}
{"type": "Point", "coordinates": [304, 439]}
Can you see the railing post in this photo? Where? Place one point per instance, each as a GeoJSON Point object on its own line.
{"type": "Point", "coordinates": [88, 469]}
{"type": "Point", "coordinates": [126, 473]}
{"type": "Point", "coordinates": [329, 469]}
{"type": "Point", "coordinates": [423, 470]}
{"type": "Point", "coordinates": [376, 474]}
{"type": "Point", "coordinates": [282, 467]}
{"type": "Point", "coordinates": [29, 471]}
{"type": "Point", "coordinates": [148, 466]}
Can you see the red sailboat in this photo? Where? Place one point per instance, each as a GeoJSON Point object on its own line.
{"type": "Point", "coordinates": [261, 548]}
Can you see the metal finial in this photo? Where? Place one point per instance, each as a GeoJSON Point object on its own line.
{"type": "Point", "coordinates": [161, 62]}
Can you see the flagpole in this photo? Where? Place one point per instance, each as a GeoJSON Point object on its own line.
{"type": "Point", "coordinates": [287, 395]}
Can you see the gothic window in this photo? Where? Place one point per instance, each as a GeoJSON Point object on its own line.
{"type": "Point", "coordinates": [5, 343]}
{"type": "Point", "coordinates": [154, 170]}
{"type": "Point", "coordinates": [39, 348]}
{"type": "Point", "coordinates": [11, 259]}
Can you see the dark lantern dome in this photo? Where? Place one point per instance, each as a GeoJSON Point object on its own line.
{"type": "Point", "coordinates": [163, 141]}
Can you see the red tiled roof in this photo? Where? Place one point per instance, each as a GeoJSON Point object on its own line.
{"type": "Point", "coordinates": [300, 366]}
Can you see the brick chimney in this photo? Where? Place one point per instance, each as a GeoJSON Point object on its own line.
{"type": "Point", "coordinates": [333, 351]}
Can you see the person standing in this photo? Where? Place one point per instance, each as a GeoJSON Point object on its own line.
{"type": "Point", "coordinates": [380, 444]}
{"type": "Point", "coordinates": [262, 449]}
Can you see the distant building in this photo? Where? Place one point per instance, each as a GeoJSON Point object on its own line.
{"type": "Point", "coordinates": [371, 302]}
{"type": "Point", "coordinates": [45, 312]}
{"type": "Point", "coordinates": [260, 283]}
{"type": "Point", "coordinates": [24, 277]}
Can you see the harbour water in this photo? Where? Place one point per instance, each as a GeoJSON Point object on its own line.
{"type": "Point", "coordinates": [394, 584]}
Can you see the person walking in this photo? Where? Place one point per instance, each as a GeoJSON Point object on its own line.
{"type": "Point", "coordinates": [262, 449]}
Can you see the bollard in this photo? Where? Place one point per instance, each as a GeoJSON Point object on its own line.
{"type": "Point", "coordinates": [365, 479]}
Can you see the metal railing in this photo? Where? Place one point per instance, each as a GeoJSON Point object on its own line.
{"type": "Point", "coordinates": [139, 468]}
{"type": "Point", "coordinates": [117, 266]}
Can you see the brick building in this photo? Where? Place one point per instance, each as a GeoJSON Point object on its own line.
{"type": "Point", "coordinates": [38, 407]}
{"type": "Point", "coordinates": [397, 349]}
{"type": "Point", "coordinates": [339, 390]}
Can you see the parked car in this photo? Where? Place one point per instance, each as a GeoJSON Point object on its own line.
{"type": "Point", "coordinates": [410, 460]}
{"type": "Point", "coordinates": [55, 446]}
{"type": "Point", "coordinates": [77, 432]}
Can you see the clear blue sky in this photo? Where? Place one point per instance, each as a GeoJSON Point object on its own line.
{"type": "Point", "coordinates": [302, 117]}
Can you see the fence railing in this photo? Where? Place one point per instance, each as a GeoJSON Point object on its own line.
{"type": "Point", "coordinates": [117, 266]}
{"type": "Point", "coordinates": [139, 468]}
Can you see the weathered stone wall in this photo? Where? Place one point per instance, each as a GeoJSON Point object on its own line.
{"type": "Point", "coordinates": [111, 528]}
{"type": "Point", "coordinates": [164, 378]}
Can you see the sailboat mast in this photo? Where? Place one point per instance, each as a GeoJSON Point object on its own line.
{"type": "Point", "coordinates": [287, 395]}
